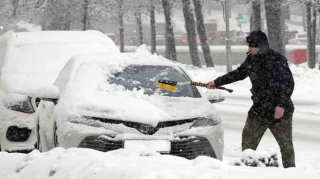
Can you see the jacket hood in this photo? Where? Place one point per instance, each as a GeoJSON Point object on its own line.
{"type": "Point", "coordinates": [260, 38]}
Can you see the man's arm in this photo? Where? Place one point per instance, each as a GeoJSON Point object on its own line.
{"type": "Point", "coordinates": [284, 85]}
{"type": "Point", "coordinates": [236, 75]}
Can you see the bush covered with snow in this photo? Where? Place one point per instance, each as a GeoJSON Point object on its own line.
{"type": "Point", "coordinates": [253, 158]}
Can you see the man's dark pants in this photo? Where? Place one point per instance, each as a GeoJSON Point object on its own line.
{"type": "Point", "coordinates": [281, 130]}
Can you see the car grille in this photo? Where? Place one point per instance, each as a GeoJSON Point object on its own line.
{"type": "Point", "coordinates": [100, 143]}
{"type": "Point", "coordinates": [145, 128]}
{"type": "Point", "coordinates": [192, 147]}
{"type": "Point", "coordinates": [187, 147]}
{"type": "Point", "coordinates": [24, 151]}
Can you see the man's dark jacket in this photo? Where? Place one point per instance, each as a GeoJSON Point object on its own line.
{"type": "Point", "coordinates": [272, 83]}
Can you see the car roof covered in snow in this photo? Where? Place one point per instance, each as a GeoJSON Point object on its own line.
{"type": "Point", "coordinates": [26, 38]}
{"type": "Point", "coordinates": [29, 60]}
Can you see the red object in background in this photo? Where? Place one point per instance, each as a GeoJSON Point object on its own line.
{"type": "Point", "coordinates": [184, 40]}
{"type": "Point", "coordinates": [299, 56]}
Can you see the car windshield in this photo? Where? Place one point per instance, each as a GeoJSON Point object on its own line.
{"type": "Point", "coordinates": [147, 77]}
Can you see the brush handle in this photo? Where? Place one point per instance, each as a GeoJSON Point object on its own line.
{"type": "Point", "coordinates": [223, 88]}
{"type": "Point", "coordinates": [205, 85]}
{"type": "Point", "coordinates": [198, 84]}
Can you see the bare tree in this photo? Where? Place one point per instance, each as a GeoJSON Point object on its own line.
{"type": "Point", "coordinates": [139, 25]}
{"type": "Point", "coordinates": [202, 34]}
{"type": "Point", "coordinates": [121, 27]}
{"type": "Point", "coordinates": [191, 34]}
{"type": "Point", "coordinates": [85, 14]}
{"type": "Point", "coordinates": [6, 10]}
{"type": "Point", "coordinates": [310, 35]}
{"type": "Point", "coordinates": [255, 16]}
{"type": "Point", "coordinates": [314, 36]}
{"type": "Point", "coordinates": [310, 7]}
{"type": "Point", "coordinates": [170, 43]}
{"type": "Point", "coordinates": [153, 27]}
{"type": "Point", "coordinates": [318, 4]}
{"type": "Point", "coordinates": [54, 14]}
{"type": "Point", "coordinates": [15, 4]}
{"type": "Point", "coordinates": [274, 26]}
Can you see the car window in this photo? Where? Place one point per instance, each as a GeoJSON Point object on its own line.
{"type": "Point", "coordinates": [302, 35]}
{"type": "Point", "coordinates": [147, 76]}
{"type": "Point", "coordinates": [240, 34]}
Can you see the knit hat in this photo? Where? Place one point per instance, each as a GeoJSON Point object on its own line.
{"type": "Point", "coordinates": [258, 39]}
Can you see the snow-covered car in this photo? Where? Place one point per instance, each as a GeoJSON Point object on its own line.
{"type": "Point", "coordinates": [29, 60]}
{"type": "Point", "coordinates": [111, 101]}
{"type": "Point", "coordinates": [300, 39]}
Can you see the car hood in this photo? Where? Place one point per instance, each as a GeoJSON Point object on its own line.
{"type": "Point", "coordinates": [137, 107]}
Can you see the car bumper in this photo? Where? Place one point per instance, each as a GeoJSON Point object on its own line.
{"type": "Point", "coordinates": [17, 132]}
{"type": "Point", "coordinates": [189, 143]}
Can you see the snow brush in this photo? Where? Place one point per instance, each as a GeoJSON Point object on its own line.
{"type": "Point", "coordinates": [172, 85]}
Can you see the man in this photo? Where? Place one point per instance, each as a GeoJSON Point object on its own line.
{"type": "Point", "coordinates": [272, 87]}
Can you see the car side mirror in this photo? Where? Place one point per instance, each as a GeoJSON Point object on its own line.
{"type": "Point", "coordinates": [214, 96]}
{"type": "Point", "coordinates": [18, 102]}
{"type": "Point", "coordinates": [48, 93]}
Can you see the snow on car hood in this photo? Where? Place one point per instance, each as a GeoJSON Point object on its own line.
{"type": "Point", "coordinates": [137, 107]}
{"type": "Point", "coordinates": [86, 90]}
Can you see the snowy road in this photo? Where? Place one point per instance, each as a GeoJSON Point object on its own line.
{"type": "Point", "coordinates": [306, 127]}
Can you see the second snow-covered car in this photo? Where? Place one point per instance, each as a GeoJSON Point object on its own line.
{"type": "Point", "coordinates": [29, 60]}
{"type": "Point", "coordinates": [111, 101]}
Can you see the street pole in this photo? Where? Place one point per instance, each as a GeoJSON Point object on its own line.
{"type": "Point", "coordinates": [227, 38]}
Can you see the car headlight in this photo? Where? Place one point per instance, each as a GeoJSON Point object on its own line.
{"type": "Point", "coordinates": [18, 102]}
{"type": "Point", "coordinates": [206, 121]}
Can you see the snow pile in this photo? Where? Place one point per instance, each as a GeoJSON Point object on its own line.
{"type": "Point", "coordinates": [130, 164]}
{"type": "Point", "coordinates": [253, 158]}
{"type": "Point", "coordinates": [207, 162]}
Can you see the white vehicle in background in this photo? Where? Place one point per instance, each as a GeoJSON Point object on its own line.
{"type": "Point", "coordinates": [300, 39]}
{"type": "Point", "coordinates": [111, 101]}
{"type": "Point", "coordinates": [29, 60]}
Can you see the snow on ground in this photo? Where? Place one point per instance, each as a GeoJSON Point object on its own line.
{"type": "Point", "coordinates": [131, 164]}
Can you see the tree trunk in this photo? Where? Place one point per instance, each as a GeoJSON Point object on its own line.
{"type": "Point", "coordinates": [256, 16]}
{"type": "Point", "coordinates": [67, 22]}
{"type": "Point", "coordinates": [309, 35]}
{"type": "Point", "coordinates": [318, 38]}
{"type": "Point", "coordinates": [121, 28]}
{"type": "Point", "coordinates": [274, 26]}
{"type": "Point", "coordinates": [85, 16]}
{"type": "Point", "coordinates": [282, 25]}
{"type": "Point", "coordinates": [191, 34]}
{"type": "Point", "coordinates": [170, 43]}
{"type": "Point", "coordinates": [311, 32]}
{"type": "Point", "coordinates": [304, 24]}
{"type": "Point", "coordinates": [314, 33]}
{"type": "Point", "coordinates": [153, 27]}
{"type": "Point", "coordinates": [15, 4]}
{"type": "Point", "coordinates": [139, 24]}
{"type": "Point", "coordinates": [202, 34]}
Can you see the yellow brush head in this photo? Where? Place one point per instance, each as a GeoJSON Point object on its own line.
{"type": "Point", "coordinates": [167, 87]}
